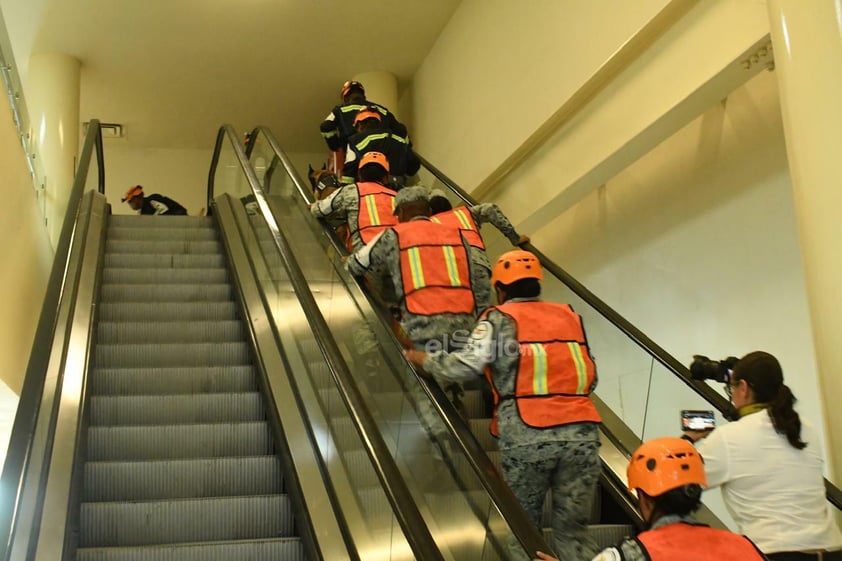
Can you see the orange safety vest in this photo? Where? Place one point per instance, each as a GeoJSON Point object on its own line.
{"type": "Point", "coordinates": [555, 372]}
{"type": "Point", "coordinates": [697, 542]}
{"type": "Point", "coordinates": [376, 209]}
{"type": "Point", "coordinates": [435, 269]}
{"type": "Point", "coordinates": [460, 217]}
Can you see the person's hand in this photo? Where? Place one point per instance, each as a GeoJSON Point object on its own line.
{"type": "Point", "coordinates": [541, 556]}
{"type": "Point", "coordinates": [523, 240]}
{"type": "Point", "coordinates": [696, 435]}
{"type": "Point", "coordinates": [414, 356]}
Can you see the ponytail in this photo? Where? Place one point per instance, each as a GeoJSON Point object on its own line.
{"type": "Point", "coordinates": [784, 418]}
{"type": "Point", "coordinates": [765, 377]}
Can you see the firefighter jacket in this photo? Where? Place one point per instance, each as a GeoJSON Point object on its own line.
{"type": "Point", "coordinates": [338, 126]}
{"type": "Point", "coordinates": [397, 149]}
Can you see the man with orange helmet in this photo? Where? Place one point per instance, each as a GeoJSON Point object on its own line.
{"type": "Point", "coordinates": [374, 135]}
{"type": "Point", "coordinates": [368, 204]}
{"type": "Point", "coordinates": [668, 475]}
{"type": "Point", "coordinates": [535, 356]}
{"type": "Point", "coordinates": [152, 204]}
{"type": "Point", "coordinates": [338, 126]}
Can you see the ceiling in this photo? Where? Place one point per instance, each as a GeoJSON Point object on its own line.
{"type": "Point", "coordinates": [172, 71]}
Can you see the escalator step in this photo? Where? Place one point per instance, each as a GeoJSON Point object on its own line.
{"type": "Point", "coordinates": [280, 549]}
{"type": "Point", "coordinates": [172, 354]}
{"type": "Point", "coordinates": [163, 247]}
{"type": "Point", "coordinates": [109, 332]}
{"type": "Point", "coordinates": [171, 479]}
{"type": "Point", "coordinates": [164, 276]}
{"type": "Point", "coordinates": [178, 441]}
{"type": "Point", "coordinates": [187, 261]}
{"type": "Point", "coordinates": [176, 409]}
{"type": "Point", "coordinates": [184, 380]}
{"type": "Point", "coordinates": [161, 234]}
{"type": "Point", "coordinates": [170, 311]}
{"type": "Point", "coordinates": [204, 292]}
{"type": "Point", "coordinates": [146, 222]}
{"type": "Point", "coordinates": [185, 520]}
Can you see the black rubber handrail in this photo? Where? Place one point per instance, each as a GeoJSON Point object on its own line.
{"type": "Point", "coordinates": [833, 493]}
{"type": "Point", "coordinates": [23, 430]}
{"type": "Point", "coordinates": [499, 492]}
{"type": "Point", "coordinates": [403, 505]}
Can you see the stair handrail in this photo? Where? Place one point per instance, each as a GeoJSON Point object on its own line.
{"type": "Point", "coordinates": [672, 364]}
{"type": "Point", "coordinates": [406, 512]}
{"type": "Point", "coordinates": [500, 493]}
{"type": "Point", "coordinates": [19, 452]}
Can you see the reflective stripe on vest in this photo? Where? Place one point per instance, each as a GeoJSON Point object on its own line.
{"type": "Point", "coordinates": [460, 217]}
{"type": "Point", "coordinates": [683, 541]}
{"type": "Point", "coordinates": [435, 269]}
{"type": "Point", "coordinates": [555, 372]}
{"type": "Point", "coordinates": [376, 209]}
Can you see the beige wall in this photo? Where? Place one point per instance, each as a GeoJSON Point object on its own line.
{"type": "Point", "coordinates": [26, 256]}
{"type": "Point", "coordinates": [695, 241]}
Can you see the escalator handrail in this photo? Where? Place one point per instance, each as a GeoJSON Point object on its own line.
{"type": "Point", "coordinates": [833, 493]}
{"type": "Point", "coordinates": [403, 505]}
{"type": "Point", "coordinates": [501, 494]}
{"type": "Point", "coordinates": [26, 417]}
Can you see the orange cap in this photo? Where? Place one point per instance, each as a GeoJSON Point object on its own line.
{"type": "Point", "coordinates": [664, 464]}
{"type": "Point", "coordinates": [133, 192]}
{"type": "Point", "coordinates": [349, 85]}
{"type": "Point", "coordinates": [366, 114]}
{"type": "Point", "coordinates": [516, 265]}
{"type": "Point", "coordinates": [374, 158]}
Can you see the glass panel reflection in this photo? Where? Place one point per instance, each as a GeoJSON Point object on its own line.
{"type": "Point", "coordinates": [451, 497]}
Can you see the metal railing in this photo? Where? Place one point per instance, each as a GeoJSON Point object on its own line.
{"type": "Point", "coordinates": [20, 455]}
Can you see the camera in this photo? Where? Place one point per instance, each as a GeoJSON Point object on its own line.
{"type": "Point", "coordinates": [704, 368]}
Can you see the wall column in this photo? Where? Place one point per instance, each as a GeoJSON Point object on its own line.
{"type": "Point", "coordinates": [380, 87]}
{"type": "Point", "coordinates": [53, 102]}
{"type": "Point", "coordinates": [807, 40]}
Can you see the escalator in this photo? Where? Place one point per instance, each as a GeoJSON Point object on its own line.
{"type": "Point", "coordinates": [158, 419]}
{"type": "Point", "coordinates": [662, 383]}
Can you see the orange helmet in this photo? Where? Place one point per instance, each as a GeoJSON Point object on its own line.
{"type": "Point", "coordinates": [664, 464]}
{"type": "Point", "coordinates": [133, 192]}
{"type": "Point", "coordinates": [374, 158]}
{"type": "Point", "coordinates": [350, 85]}
{"type": "Point", "coordinates": [516, 265]}
{"type": "Point", "coordinates": [366, 114]}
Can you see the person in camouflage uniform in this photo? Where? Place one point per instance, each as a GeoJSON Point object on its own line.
{"type": "Point", "coordinates": [345, 201]}
{"type": "Point", "coordinates": [438, 329]}
{"type": "Point", "coordinates": [436, 299]}
{"type": "Point", "coordinates": [480, 214]}
{"type": "Point", "coordinates": [668, 475]}
{"type": "Point", "coordinates": [548, 437]}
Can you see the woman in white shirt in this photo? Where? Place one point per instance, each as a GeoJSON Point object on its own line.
{"type": "Point", "coordinates": [769, 466]}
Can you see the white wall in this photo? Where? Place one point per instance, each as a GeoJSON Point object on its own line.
{"type": "Point", "coordinates": [26, 255]}
{"type": "Point", "coordinates": [695, 242]}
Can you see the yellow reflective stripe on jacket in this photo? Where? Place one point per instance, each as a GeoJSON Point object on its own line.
{"type": "Point", "coordinates": [361, 145]}
{"type": "Point", "coordinates": [373, 214]}
{"type": "Point", "coordinates": [539, 369]}
{"type": "Point", "coordinates": [349, 108]}
{"type": "Point", "coordinates": [452, 267]}
{"type": "Point", "coordinates": [460, 215]}
{"type": "Point", "coordinates": [415, 267]}
{"type": "Point", "coordinates": [581, 368]}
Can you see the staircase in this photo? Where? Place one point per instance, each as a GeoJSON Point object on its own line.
{"type": "Point", "coordinates": [180, 460]}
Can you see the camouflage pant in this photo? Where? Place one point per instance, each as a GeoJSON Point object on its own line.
{"type": "Point", "coordinates": [569, 470]}
{"type": "Point", "coordinates": [481, 284]}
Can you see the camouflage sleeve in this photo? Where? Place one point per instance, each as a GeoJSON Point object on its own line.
{"type": "Point", "coordinates": [335, 204]}
{"type": "Point", "coordinates": [372, 254]}
{"type": "Point", "coordinates": [491, 213]}
{"type": "Point", "coordinates": [467, 363]}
